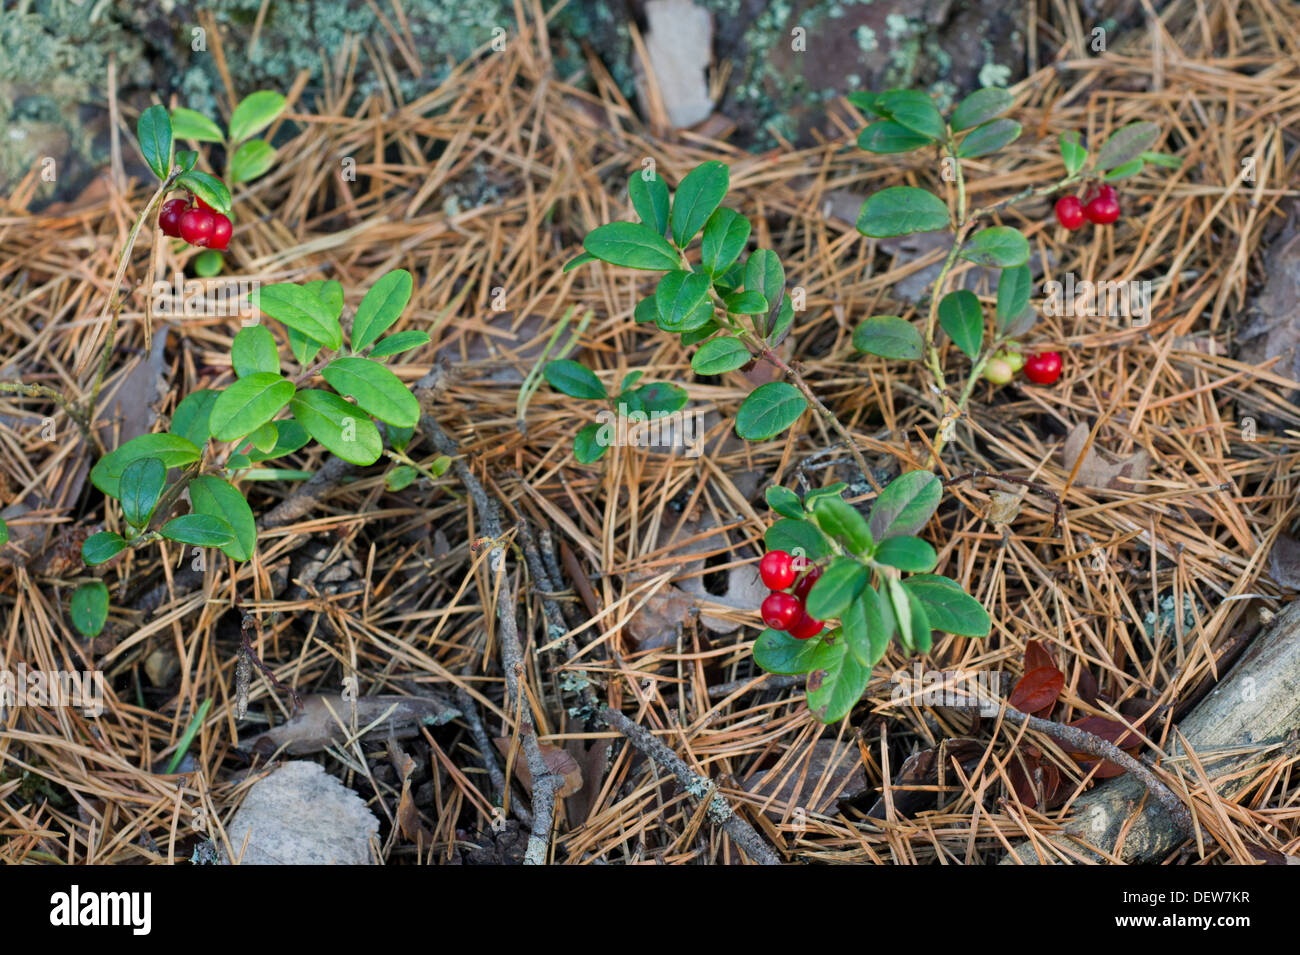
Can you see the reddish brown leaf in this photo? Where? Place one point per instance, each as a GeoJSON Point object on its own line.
{"type": "Point", "coordinates": [1037, 656]}
{"type": "Point", "coordinates": [1087, 686]}
{"type": "Point", "coordinates": [1038, 689]}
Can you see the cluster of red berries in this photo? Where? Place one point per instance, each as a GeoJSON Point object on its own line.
{"type": "Point", "coordinates": [784, 610]}
{"type": "Point", "coordinates": [196, 222]}
{"type": "Point", "coordinates": [1042, 369]}
{"type": "Point", "coordinates": [1099, 206]}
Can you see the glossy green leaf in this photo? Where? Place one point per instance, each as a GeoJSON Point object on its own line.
{"type": "Point", "coordinates": [264, 438]}
{"type": "Point", "coordinates": [400, 477]}
{"type": "Point", "coordinates": [194, 126]}
{"type": "Point", "coordinates": [697, 335]}
{"type": "Point", "coordinates": [905, 505]}
{"type": "Point", "coordinates": [248, 404]}
{"type": "Point", "coordinates": [252, 159]}
{"type": "Point", "coordinates": [837, 682]}
{"type": "Point", "coordinates": [254, 113]}
{"type": "Point", "coordinates": [867, 624]}
{"type": "Point", "coordinates": [581, 258]}
{"type": "Point", "coordinates": [778, 652]}
{"type": "Point", "coordinates": [887, 137]}
{"type": "Point", "coordinates": [253, 351]}
{"type": "Point", "coordinates": [1126, 144]}
{"type": "Point", "coordinates": [1130, 168]}
{"type": "Point", "coordinates": [199, 530]}
{"type": "Point", "coordinates": [914, 110]}
{"type": "Point", "coordinates": [841, 520]}
{"type": "Point", "coordinates": [764, 274]}
{"type": "Point", "coordinates": [745, 303]}
{"type": "Point", "coordinates": [720, 355]}
{"type": "Point", "coordinates": [999, 247]}
{"type": "Point", "coordinates": [573, 379]}
{"type": "Point", "coordinates": [1163, 159]}
{"type": "Point", "coordinates": [647, 310]}
{"type": "Point", "coordinates": [678, 299]}
{"type": "Point", "coordinates": [190, 419]}
{"type": "Point", "coordinates": [290, 436]}
{"type": "Point", "coordinates": [725, 237]}
{"type": "Point", "coordinates": [768, 410]}
{"type": "Point", "coordinates": [395, 344]}
{"type": "Point", "coordinates": [660, 397]}
{"type": "Point", "coordinates": [340, 426]}
{"type": "Point", "coordinates": [302, 310]}
{"type": "Point", "coordinates": [154, 129]}
{"type": "Point", "coordinates": [173, 450]}
{"type": "Point", "coordinates": [187, 159]}
{"type": "Point", "coordinates": [800, 538]}
{"type": "Point", "coordinates": [948, 607]}
{"type": "Point", "coordinates": [697, 196]}
{"type": "Point", "coordinates": [1014, 287]}
{"type": "Point", "coordinates": [900, 210]}
{"type": "Point", "coordinates": [910, 618]}
{"type": "Point", "coordinates": [889, 337]}
{"type": "Point", "coordinates": [784, 501]}
{"type": "Point", "coordinates": [208, 188]}
{"type": "Point", "coordinates": [631, 245]}
{"type": "Point", "coordinates": [980, 107]}
{"type": "Point", "coordinates": [988, 138]}
{"type": "Point", "coordinates": [962, 318]}
{"type": "Point", "coordinates": [303, 348]}
{"type": "Point", "coordinates": [138, 490]}
{"type": "Point", "coordinates": [1072, 152]}
{"type": "Point", "coordinates": [377, 390]}
{"type": "Point", "coordinates": [837, 587]}
{"type": "Point", "coordinates": [98, 548]}
{"type": "Point", "coordinates": [330, 292]}
{"type": "Point", "coordinates": [588, 445]}
{"type": "Point", "coordinates": [650, 199]}
{"type": "Point", "coordinates": [381, 307]}
{"type": "Point", "coordinates": [89, 608]}
{"type": "Point", "coordinates": [907, 553]}
{"type": "Point", "coordinates": [217, 498]}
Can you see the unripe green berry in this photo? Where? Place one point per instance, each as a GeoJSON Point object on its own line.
{"type": "Point", "coordinates": [998, 371]}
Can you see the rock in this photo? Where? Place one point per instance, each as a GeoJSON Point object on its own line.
{"type": "Point", "coordinates": [679, 43]}
{"type": "Point", "coordinates": [300, 815]}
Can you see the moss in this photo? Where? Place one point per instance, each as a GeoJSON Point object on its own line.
{"type": "Point", "coordinates": [866, 38]}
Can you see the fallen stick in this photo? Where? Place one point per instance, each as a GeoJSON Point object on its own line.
{"type": "Point", "coordinates": [1256, 704]}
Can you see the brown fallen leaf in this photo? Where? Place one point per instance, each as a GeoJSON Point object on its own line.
{"type": "Point", "coordinates": [557, 761]}
{"type": "Point", "coordinates": [1284, 561]}
{"type": "Point", "coordinates": [315, 727]}
{"type": "Point", "coordinates": [827, 772]}
{"type": "Point", "coordinates": [1095, 470]}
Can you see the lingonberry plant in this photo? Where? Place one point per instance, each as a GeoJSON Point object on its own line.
{"type": "Point", "coordinates": [216, 435]}
{"type": "Point", "coordinates": [633, 401]}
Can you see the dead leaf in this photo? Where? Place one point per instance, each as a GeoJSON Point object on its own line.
{"type": "Point", "coordinates": [1284, 561]}
{"type": "Point", "coordinates": [1004, 507]}
{"type": "Point", "coordinates": [814, 781]}
{"type": "Point", "coordinates": [314, 727]}
{"type": "Point", "coordinates": [558, 761]}
{"type": "Point", "coordinates": [1095, 470]}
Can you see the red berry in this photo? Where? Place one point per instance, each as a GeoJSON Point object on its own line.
{"type": "Point", "coordinates": [1069, 212]}
{"type": "Point", "coordinates": [197, 226]}
{"type": "Point", "coordinates": [806, 582]}
{"type": "Point", "coordinates": [203, 205]}
{"type": "Point", "coordinates": [220, 237]}
{"type": "Point", "coordinates": [1043, 368]}
{"type": "Point", "coordinates": [777, 570]}
{"type": "Point", "coordinates": [169, 217]}
{"type": "Point", "coordinates": [1105, 208]}
{"type": "Point", "coordinates": [781, 610]}
{"type": "Point", "coordinates": [806, 627]}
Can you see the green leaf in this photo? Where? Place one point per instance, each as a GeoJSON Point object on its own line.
{"type": "Point", "coordinates": [395, 344]}
{"type": "Point", "coordinates": [248, 404]}
{"type": "Point", "coordinates": [988, 138]}
{"type": "Point", "coordinates": [254, 113]}
{"type": "Point", "coordinates": [302, 310]}
{"type": "Point", "coordinates": [962, 318]}
{"type": "Point", "coordinates": [784, 501]}
{"type": "Point", "coordinates": [980, 107]}
{"type": "Point", "coordinates": [900, 210]}
{"type": "Point", "coordinates": [581, 259]}
{"type": "Point", "coordinates": [764, 274]}
{"type": "Point", "coordinates": [678, 299]}
{"type": "Point", "coordinates": [208, 188]}
{"type": "Point", "coordinates": [907, 553]}
{"type": "Point", "coordinates": [889, 337]}
{"type": "Point", "coordinates": [1126, 144]}
{"type": "Point", "coordinates": [697, 335]}
{"type": "Point", "coordinates": [154, 130]}
{"type": "Point", "coordinates": [100, 547]}
{"type": "Point", "coordinates": [632, 245]}
{"type": "Point", "coordinates": [341, 427]}
{"type": "Point", "coordinates": [89, 608]}
{"type": "Point", "coordinates": [778, 652]}
{"type": "Point", "coordinates": [914, 110]}
{"type": "Point", "coordinates": [910, 616]}
{"type": "Point", "coordinates": [330, 292]}
{"type": "Point", "coordinates": [647, 310]}
{"type": "Point", "coordinates": [187, 159]}
{"type": "Point", "coordinates": [400, 477]}
{"type": "Point", "coordinates": [864, 100]}
{"type": "Point", "coordinates": [697, 196]}
{"type": "Point", "coordinates": [769, 410]}
{"type": "Point", "coordinates": [376, 389]}
{"type": "Point", "coordinates": [720, 355]}
{"type": "Point", "coordinates": [217, 498]}
{"type": "Point", "coordinates": [399, 438]}
{"type": "Point", "coordinates": [264, 438]}
{"type": "Point", "coordinates": [730, 280]}
{"type": "Point", "coordinates": [905, 505]}
{"type": "Point", "coordinates": [657, 398]}
{"type": "Point", "coordinates": [745, 303]}
{"type": "Point", "coordinates": [725, 237]}
{"type": "Point", "coordinates": [948, 607]}
{"type": "Point", "coordinates": [573, 379]}
{"type": "Point", "coordinates": [837, 587]}
{"type": "Point", "coordinates": [190, 419]}
{"type": "Point", "coordinates": [650, 199]}
{"type": "Point", "coordinates": [381, 307]}
{"type": "Point", "coordinates": [1163, 159]}
{"type": "Point", "coordinates": [1014, 286]}
{"type": "Point", "coordinates": [303, 348]}
{"type": "Point", "coordinates": [1072, 152]}
{"type": "Point", "coordinates": [4, 533]}
{"type": "Point", "coordinates": [588, 447]}
{"type": "Point", "coordinates": [888, 137]}
{"type": "Point", "coordinates": [1000, 247]}
{"type": "Point", "coordinates": [141, 483]}
{"type": "Point", "coordinates": [251, 160]}
{"type": "Point", "coordinates": [831, 490]}
{"type": "Point", "coordinates": [867, 626]}
{"type": "Point", "coordinates": [194, 126]}
{"type": "Point", "coordinates": [842, 521]}
{"type": "Point", "coordinates": [290, 436]}
{"type": "Point", "coordinates": [800, 538]}
{"type": "Point", "coordinates": [199, 530]}
{"type": "Point", "coordinates": [837, 682]}
{"type": "Point", "coordinates": [208, 263]}
{"type": "Point", "coordinates": [1130, 168]}
{"type": "Point", "coordinates": [254, 350]}
{"type": "Point", "coordinates": [173, 450]}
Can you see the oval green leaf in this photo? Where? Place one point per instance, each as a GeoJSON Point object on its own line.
{"type": "Point", "coordinates": [173, 450]}
{"type": "Point", "coordinates": [376, 389]}
{"type": "Point", "coordinates": [837, 681]}
{"type": "Point", "coordinates": [697, 196]}
{"type": "Point", "coordinates": [679, 300]}
{"type": "Point", "coordinates": [888, 137]}
{"type": "Point", "coordinates": [988, 138]}
{"type": "Point", "coordinates": [980, 107]}
{"type": "Point", "coordinates": [650, 199]}
{"type": "Point", "coordinates": [381, 307]}
{"type": "Point", "coordinates": [301, 309]}
{"type": "Point", "coordinates": [254, 113]}
{"type": "Point", "coordinates": [1126, 144]}
{"type": "Point", "coordinates": [907, 553]}
{"type": "Point", "coordinates": [962, 318]}
{"type": "Point", "coordinates": [784, 501]}
{"type": "Point", "coordinates": [631, 245]}
{"type": "Point", "coordinates": [395, 344]}
{"type": "Point", "coordinates": [573, 379]}
{"type": "Point", "coordinates": [1014, 287]}
{"type": "Point", "coordinates": [217, 498]}
{"type": "Point", "coordinates": [89, 608]}
{"type": "Point", "coordinates": [208, 188]}
{"type": "Point", "coordinates": [905, 505]}
{"type": "Point", "coordinates": [254, 350]}
{"type": "Point", "coordinates": [248, 404]}
{"type": "Point", "coordinates": [725, 236]}
{"type": "Point", "coordinates": [194, 126]}
{"type": "Point", "coordinates": [340, 426]}
{"type": "Point", "coordinates": [797, 537]}
{"type": "Point", "coordinates": [778, 652]}
{"type": "Point", "coordinates": [154, 129]}
{"type": "Point", "coordinates": [199, 530]}
{"type": "Point", "coordinates": [720, 355]}
{"type": "Point", "coordinates": [190, 419]}
{"type": "Point", "coordinates": [900, 210]}
{"type": "Point", "coordinates": [251, 160]}
{"type": "Point", "coordinates": [948, 607]}
{"type": "Point", "coordinates": [769, 410]}
{"type": "Point", "coordinates": [889, 337]}
{"type": "Point", "coordinates": [1000, 247]}
{"type": "Point", "coordinates": [837, 587]}
{"type": "Point", "coordinates": [141, 483]}
{"type": "Point", "coordinates": [100, 547]}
